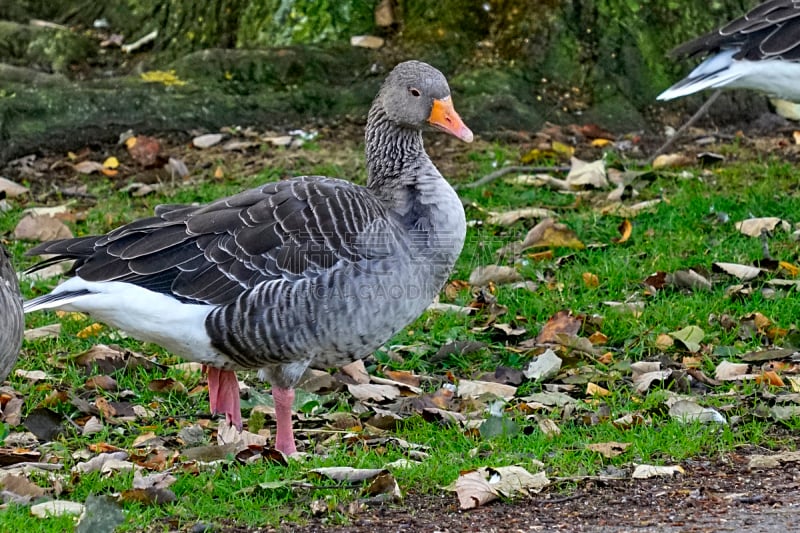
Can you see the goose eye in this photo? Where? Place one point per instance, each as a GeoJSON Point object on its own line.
{"type": "Point", "coordinates": [414, 91]}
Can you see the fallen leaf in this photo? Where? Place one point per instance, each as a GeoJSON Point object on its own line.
{"type": "Point", "coordinates": [648, 471]}
{"type": "Point", "coordinates": [31, 375]}
{"type": "Point", "coordinates": [88, 167]}
{"type": "Point", "coordinates": [207, 141]}
{"type": "Point", "coordinates": [743, 272]}
{"type": "Point", "coordinates": [689, 411]}
{"type": "Point", "coordinates": [11, 189]}
{"type": "Point", "coordinates": [23, 490]}
{"type": "Point", "coordinates": [499, 275]}
{"type": "Point", "coordinates": [754, 227]}
{"type": "Point", "coordinates": [690, 337]}
{"type": "Point", "coordinates": [672, 161]}
{"type": "Point", "coordinates": [90, 331]}
{"type": "Point", "coordinates": [56, 508]}
{"type": "Point", "coordinates": [476, 389]}
{"type": "Point", "coordinates": [727, 371]}
{"type": "Point", "coordinates": [366, 41]}
{"type": "Point", "coordinates": [625, 230]}
{"type": "Point", "coordinates": [105, 463]}
{"type": "Point", "coordinates": [551, 234]}
{"type": "Point", "coordinates": [477, 487]}
{"type": "Point", "coordinates": [583, 175]}
{"type": "Point", "coordinates": [591, 280]}
{"type": "Point", "coordinates": [507, 218]}
{"type": "Point", "coordinates": [41, 228]}
{"type": "Point", "coordinates": [347, 473]}
{"type": "Point", "coordinates": [593, 389]}
{"type": "Point", "coordinates": [562, 323]}
{"type": "Point", "coordinates": [144, 150]}
{"type": "Point", "coordinates": [544, 367]}
{"type": "Point", "coordinates": [166, 385]}
{"type": "Point", "coordinates": [51, 331]}
{"type": "Point", "coordinates": [609, 449]}
{"type": "Point", "coordinates": [374, 392]}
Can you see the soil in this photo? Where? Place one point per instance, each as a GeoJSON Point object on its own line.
{"type": "Point", "coordinates": [721, 495]}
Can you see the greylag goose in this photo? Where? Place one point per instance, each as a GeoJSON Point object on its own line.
{"type": "Point", "coordinates": [760, 51]}
{"type": "Point", "coordinates": [12, 321]}
{"type": "Point", "coordinates": [311, 271]}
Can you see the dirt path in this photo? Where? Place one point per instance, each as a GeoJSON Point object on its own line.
{"type": "Point", "coordinates": [723, 496]}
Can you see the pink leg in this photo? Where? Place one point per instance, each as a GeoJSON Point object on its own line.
{"type": "Point", "coordinates": [284, 440]}
{"type": "Point", "coordinates": [223, 394]}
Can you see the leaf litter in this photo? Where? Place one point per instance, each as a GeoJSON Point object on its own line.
{"type": "Point", "coordinates": [563, 343]}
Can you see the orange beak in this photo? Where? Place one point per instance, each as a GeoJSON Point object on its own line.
{"type": "Point", "coordinates": [444, 117]}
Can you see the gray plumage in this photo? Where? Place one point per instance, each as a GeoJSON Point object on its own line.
{"type": "Point", "coordinates": [759, 51]}
{"type": "Point", "coordinates": [12, 321]}
{"type": "Point", "coordinates": [311, 270]}
{"type": "Point", "coordinates": [770, 30]}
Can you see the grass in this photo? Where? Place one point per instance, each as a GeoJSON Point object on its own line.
{"type": "Point", "coordinates": [683, 231]}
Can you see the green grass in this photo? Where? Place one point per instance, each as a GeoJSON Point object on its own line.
{"type": "Point", "coordinates": [681, 232]}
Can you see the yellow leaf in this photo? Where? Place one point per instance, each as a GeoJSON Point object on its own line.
{"type": "Point", "coordinates": [72, 156]}
{"type": "Point", "coordinates": [167, 78]}
{"type": "Point", "coordinates": [110, 172]}
{"type": "Point", "coordinates": [219, 173]}
{"type": "Point", "coordinates": [563, 149]}
{"type": "Point", "coordinates": [70, 315]}
{"type": "Point", "coordinates": [131, 142]}
{"type": "Point", "coordinates": [111, 162]}
{"type": "Point", "coordinates": [770, 378]}
{"type": "Point", "coordinates": [598, 338]}
{"type": "Point", "coordinates": [593, 389]}
{"type": "Point", "coordinates": [90, 331]}
{"type": "Point", "coordinates": [625, 229]}
{"type": "Point", "coordinates": [228, 75]}
{"type": "Point", "coordinates": [590, 280]}
{"type": "Point", "coordinates": [599, 143]}
{"type": "Point", "coordinates": [793, 270]}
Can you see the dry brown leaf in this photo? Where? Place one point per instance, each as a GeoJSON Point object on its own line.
{"type": "Point", "coordinates": [349, 474]}
{"type": "Point", "coordinates": [11, 189]}
{"type": "Point", "coordinates": [51, 331]}
{"type": "Point", "coordinates": [727, 371]}
{"type": "Point", "coordinates": [144, 150]}
{"type": "Point", "coordinates": [551, 234]}
{"type": "Point", "coordinates": [373, 392]}
{"type": "Point", "coordinates": [357, 371]}
{"type": "Point", "coordinates": [476, 389]}
{"type": "Point", "coordinates": [609, 449]}
{"type": "Point", "coordinates": [507, 218]}
{"type": "Point", "coordinates": [41, 228]}
{"type": "Point", "coordinates": [754, 227]}
{"type": "Point", "coordinates": [648, 471]}
{"type": "Point", "coordinates": [591, 280]}
{"type": "Point", "coordinates": [497, 274]}
{"type": "Point", "coordinates": [207, 141]}
{"type": "Point", "coordinates": [167, 385]}
{"type": "Point", "coordinates": [88, 167]}
{"type": "Point", "coordinates": [584, 175]}
{"type": "Point", "coordinates": [743, 272]}
{"type": "Point", "coordinates": [562, 323]}
{"type": "Point", "coordinates": [672, 161]}
{"type": "Point", "coordinates": [101, 382]}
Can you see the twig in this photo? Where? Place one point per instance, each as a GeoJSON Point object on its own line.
{"type": "Point", "coordinates": [508, 170]}
{"type": "Point", "coordinates": [698, 114]}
